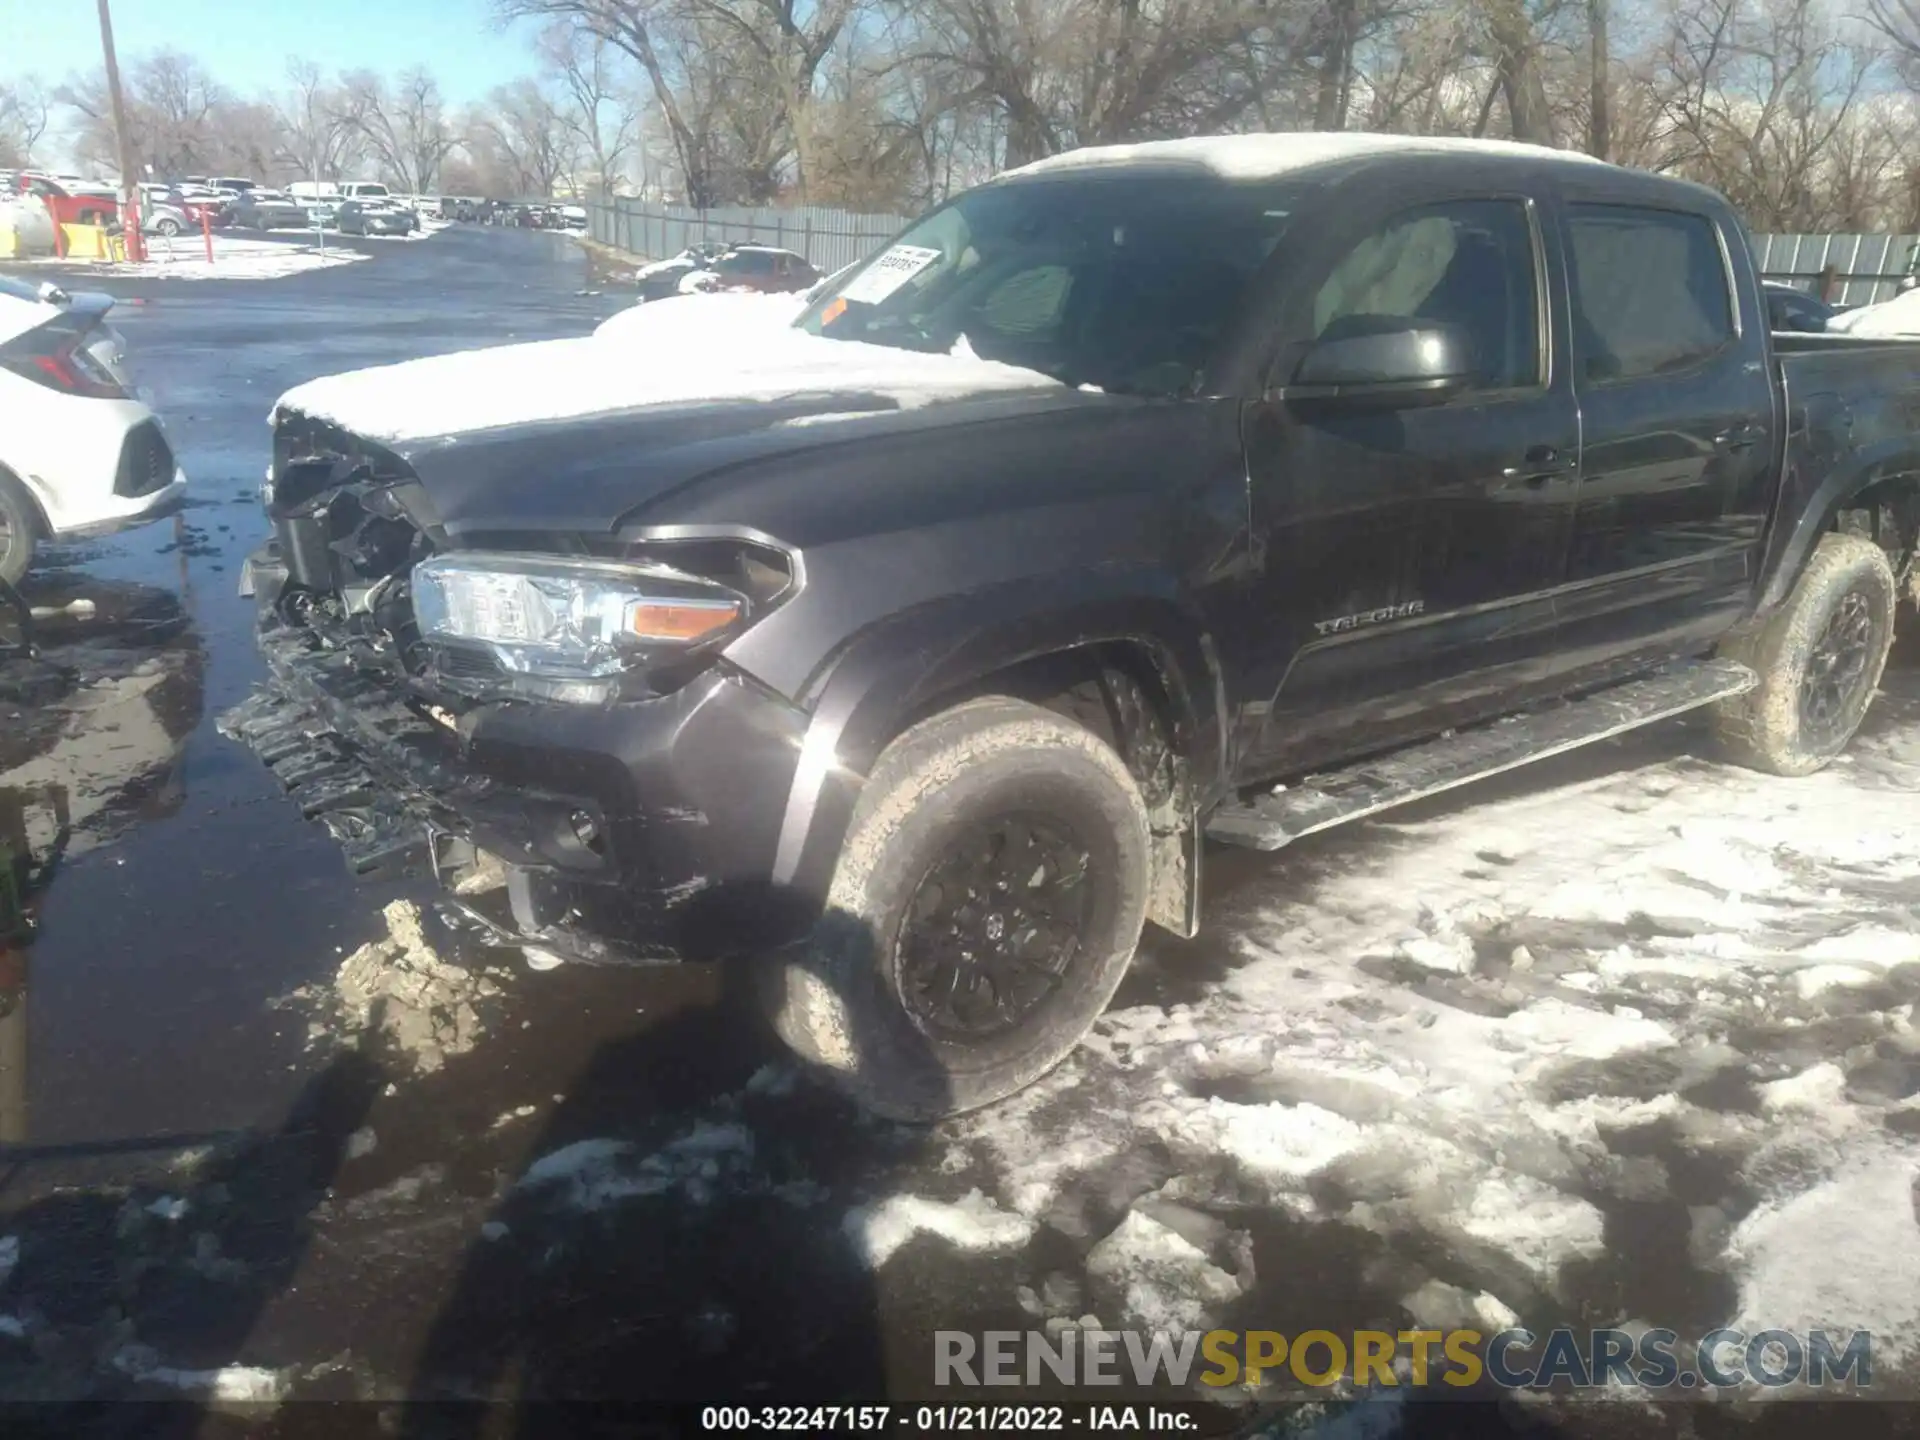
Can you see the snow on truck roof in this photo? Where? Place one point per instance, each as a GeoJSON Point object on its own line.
{"type": "Point", "coordinates": [1266, 156]}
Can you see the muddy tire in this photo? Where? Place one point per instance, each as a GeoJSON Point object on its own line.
{"type": "Point", "coordinates": [988, 898]}
{"type": "Point", "coordinates": [19, 531]}
{"type": "Point", "coordinates": [1819, 658]}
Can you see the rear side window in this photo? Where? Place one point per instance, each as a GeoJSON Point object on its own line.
{"type": "Point", "coordinates": [1650, 291]}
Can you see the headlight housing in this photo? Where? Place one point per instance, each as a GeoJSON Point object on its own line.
{"type": "Point", "coordinates": [570, 626]}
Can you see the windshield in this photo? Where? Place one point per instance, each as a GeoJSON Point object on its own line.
{"type": "Point", "coordinates": [1126, 284]}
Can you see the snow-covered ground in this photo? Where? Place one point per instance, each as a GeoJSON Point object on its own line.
{"type": "Point", "coordinates": [237, 257]}
{"type": "Point", "coordinates": [1626, 1038]}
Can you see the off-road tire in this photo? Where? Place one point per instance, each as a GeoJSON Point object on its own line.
{"type": "Point", "coordinates": [837, 1000]}
{"type": "Point", "coordinates": [1764, 728]}
{"type": "Point", "coordinates": [19, 531]}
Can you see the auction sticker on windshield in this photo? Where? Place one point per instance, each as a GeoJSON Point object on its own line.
{"type": "Point", "coordinates": [888, 273]}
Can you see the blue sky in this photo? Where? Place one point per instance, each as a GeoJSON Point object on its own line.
{"type": "Point", "coordinates": [246, 43]}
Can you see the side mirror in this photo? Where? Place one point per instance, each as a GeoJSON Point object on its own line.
{"type": "Point", "coordinates": [1401, 363]}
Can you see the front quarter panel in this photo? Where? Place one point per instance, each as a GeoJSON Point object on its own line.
{"type": "Point", "coordinates": [932, 564]}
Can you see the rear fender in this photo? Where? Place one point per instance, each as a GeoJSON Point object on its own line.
{"type": "Point", "coordinates": [1826, 496]}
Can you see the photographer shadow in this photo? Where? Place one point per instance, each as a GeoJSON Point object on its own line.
{"type": "Point", "coordinates": [704, 1260]}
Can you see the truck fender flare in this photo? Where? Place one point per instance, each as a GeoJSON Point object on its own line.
{"type": "Point", "coordinates": [872, 686]}
{"type": "Point", "coordinates": [1865, 467]}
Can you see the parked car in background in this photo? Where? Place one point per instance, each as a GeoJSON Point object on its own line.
{"type": "Point", "coordinates": [662, 278]}
{"type": "Point", "coordinates": [233, 184]}
{"type": "Point", "coordinates": [752, 267]}
{"type": "Point", "coordinates": [163, 215]}
{"type": "Point", "coordinates": [573, 217]}
{"type": "Point", "coordinates": [260, 209]}
{"type": "Point", "coordinates": [364, 190]}
{"type": "Point", "coordinates": [322, 210]}
{"type": "Point", "coordinates": [217, 205]}
{"type": "Point", "coordinates": [79, 453]}
{"type": "Point", "coordinates": [370, 217]}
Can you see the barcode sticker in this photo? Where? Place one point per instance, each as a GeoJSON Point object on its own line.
{"type": "Point", "coordinates": [888, 273]}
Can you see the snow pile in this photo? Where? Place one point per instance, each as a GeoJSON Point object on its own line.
{"type": "Point", "coordinates": [594, 1174]}
{"type": "Point", "coordinates": [425, 1007]}
{"type": "Point", "coordinates": [685, 351]}
{"type": "Point", "coordinates": [1154, 1278]}
{"type": "Point", "coordinates": [231, 1384]}
{"type": "Point", "coordinates": [185, 258]}
{"type": "Point", "coordinates": [1467, 1033]}
{"type": "Point", "coordinates": [1276, 1145]}
{"type": "Point", "coordinates": [1890, 318]}
{"type": "Point", "coordinates": [973, 1222]}
{"type": "Point", "coordinates": [1534, 1224]}
{"type": "Point", "coordinates": [695, 320]}
{"type": "Point", "coordinates": [1841, 1256]}
{"type": "Point", "coordinates": [1260, 157]}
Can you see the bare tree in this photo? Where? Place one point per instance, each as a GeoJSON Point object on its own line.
{"type": "Point", "coordinates": [403, 125]}
{"type": "Point", "coordinates": [172, 112]}
{"type": "Point", "coordinates": [529, 134]}
{"type": "Point", "coordinates": [24, 111]}
{"type": "Point", "coordinates": [1762, 94]}
{"type": "Point", "coordinates": [598, 107]}
{"type": "Point", "coordinates": [317, 138]}
{"type": "Point", "coordinates": [774, 50]}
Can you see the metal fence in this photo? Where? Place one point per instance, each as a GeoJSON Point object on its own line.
{"type": "Point", "coordinates": [1862, 268]}
{"type": "Point", "coordinates": [1858, 269]}
{"type": "Point", "coordinates": [653, 231]}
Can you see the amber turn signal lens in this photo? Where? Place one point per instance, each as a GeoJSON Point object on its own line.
{"type": "Point", "coordinates": [683, 621]}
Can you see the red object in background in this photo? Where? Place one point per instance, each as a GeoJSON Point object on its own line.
{"type": "Point", "coordinates": [81, 209]}
{"type": "Point", "coordinates": [206, 229]}
{"type": "Point", "coordinates": [136, 242]}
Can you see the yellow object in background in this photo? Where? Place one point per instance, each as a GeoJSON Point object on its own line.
{"type": "Point", "coordinates": [85, 242]}
{"type": "Point", "coordinates": [10, 245]}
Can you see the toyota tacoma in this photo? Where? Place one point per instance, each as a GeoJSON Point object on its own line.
{"type": "Point", "coordinates": [1219, 489]}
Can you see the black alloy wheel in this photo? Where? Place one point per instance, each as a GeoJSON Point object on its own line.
{"type": "Point", "coordinates": [994, 927]}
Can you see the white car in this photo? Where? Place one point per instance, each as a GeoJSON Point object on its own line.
{"type": "Point", "coordinates": [80, 453]}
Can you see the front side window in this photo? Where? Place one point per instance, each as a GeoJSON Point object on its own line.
{"type": "Point", "coordinates": [1650, 292]}
{"type": "Point", "coordinates": [1468, 264]}
{"type": "Point", "coordinates": [1125, 285]}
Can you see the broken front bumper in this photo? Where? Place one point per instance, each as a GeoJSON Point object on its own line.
{"type": "Point", "coordinates": [635, 832]}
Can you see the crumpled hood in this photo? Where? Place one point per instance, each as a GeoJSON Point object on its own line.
{"type": "Point", "coordinates": [673, 353]}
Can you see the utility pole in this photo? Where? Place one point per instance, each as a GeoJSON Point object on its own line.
{"type": "Point", "coordinates": [129, 173]}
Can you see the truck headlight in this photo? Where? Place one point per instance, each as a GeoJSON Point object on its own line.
{"type": "Point", "coordinates": [567, 620]}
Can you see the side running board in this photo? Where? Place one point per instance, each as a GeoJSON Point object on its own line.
{"type": "Point", "coordinates": [1270, 821]}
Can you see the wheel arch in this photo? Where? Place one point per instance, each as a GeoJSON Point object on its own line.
{"type": "Point", "coordinates": [1881, 476]}
{"type": "Point", "coordinates": [1135, 668]}
{"type": "Point", "coordinates": [36, 509]}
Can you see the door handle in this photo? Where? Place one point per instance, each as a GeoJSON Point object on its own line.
{"type": "Point", "coordinates": [1740, 437]}
{"type": "Point", "coordinates": [1539, 466]}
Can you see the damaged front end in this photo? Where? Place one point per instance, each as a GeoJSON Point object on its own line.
{"type": "Point", "coordinates": [576, 807]}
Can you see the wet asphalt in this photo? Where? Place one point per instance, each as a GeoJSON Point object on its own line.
{"type": "Point", "coordinates": [204, 1167]}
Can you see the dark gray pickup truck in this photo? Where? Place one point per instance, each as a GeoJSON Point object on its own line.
{"type": "Point", "coordinates": [1222, 489]}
